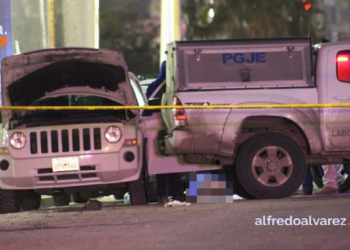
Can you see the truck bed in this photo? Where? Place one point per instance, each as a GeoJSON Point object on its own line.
{"type": "Point", "coordinates": [240, 64]}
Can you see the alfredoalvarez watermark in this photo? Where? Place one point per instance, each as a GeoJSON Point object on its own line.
{"type": "Point", "coordinates": [310, 221]}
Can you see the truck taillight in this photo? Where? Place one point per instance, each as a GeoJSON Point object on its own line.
{"type": "Point", "coordinates": [343, 66]}
{"type": "Point", "coordinates": [179, 114]}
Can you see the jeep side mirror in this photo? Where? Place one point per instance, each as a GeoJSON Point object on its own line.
{"type": "Point", "coordinates": [152, 102]}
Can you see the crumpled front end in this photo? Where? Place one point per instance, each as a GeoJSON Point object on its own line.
{"type": "Point", "coordinates": [69, 156]}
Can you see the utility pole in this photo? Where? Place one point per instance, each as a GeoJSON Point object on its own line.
{"type": "Point", "coordinates": [52, 24]}
{"type": "Point", "coordinates": [169, 25]}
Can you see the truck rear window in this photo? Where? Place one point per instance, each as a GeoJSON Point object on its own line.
{"type": "Point", "coordinates": [343, 66]}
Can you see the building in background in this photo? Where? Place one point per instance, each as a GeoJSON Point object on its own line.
{"type": "Point", "coordinates": [132, 27]}
{"type": "Point", "coordinates": [38, 24]}
{"type": "Point", "coordinates": [336, 19]}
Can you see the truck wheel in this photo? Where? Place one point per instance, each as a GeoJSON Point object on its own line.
{"type": "Point", "coordinates": [230, 173]}
{"type": "Point", "coordinates": [29, 200]}
{"type": "Point", "coordinates": [9, 201]}
{"type": "Point", "coordinates": [61, 199]}
{"type": "Point", "coordinates": [271, 166]}
{"type": "Point", "coordinates": [343, 173]}
{"type": "Point", "coordinates": [237, 186]}
{"type": "Point", "coordinates": [78, 198]}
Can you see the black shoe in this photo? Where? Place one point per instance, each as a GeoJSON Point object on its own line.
{"type": "Point", "coordinates": [306, 192]}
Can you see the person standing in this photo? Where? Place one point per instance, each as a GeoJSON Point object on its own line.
{"type": "Point", "coordinates": [167, 184]}
{"type": "Point", "coordinates": [330, 180]}
{"type": "Point", "coordinates": [161, 77]}
{"type": "Point", "coordinates": [307, 186]}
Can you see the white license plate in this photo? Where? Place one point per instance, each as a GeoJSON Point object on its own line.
{"type": "Point", "coordinates": [65, 164]}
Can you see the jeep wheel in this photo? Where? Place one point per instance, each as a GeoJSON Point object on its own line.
{"type": "Point", "coordinates": [61, 199]}
{"type": "Point", "coordinates": [29, 200]}
{"type": "Point", "coordinates": [271, 166]}
{"type": "Point", "coordinates": [138, 189]}
{"type": "Point", "coordinates": [343, 174]}
{"type": "Point", "coordinates": [9, 202]}
{"type": "Point", "coordinates": [151, 187]}
{"type": "Point", "coordinates": [78, 198]}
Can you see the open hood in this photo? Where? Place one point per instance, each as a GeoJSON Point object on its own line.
{"type": "Point", "coordinates": [31, 76]}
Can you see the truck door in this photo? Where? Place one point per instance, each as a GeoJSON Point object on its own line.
{"type": "Point", "coordinates": [336, 131]}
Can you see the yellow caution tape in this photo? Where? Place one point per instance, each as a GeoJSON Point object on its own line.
{"type": "Point", "coordinates": [257, 106]}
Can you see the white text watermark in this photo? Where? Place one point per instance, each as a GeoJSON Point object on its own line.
{"type": "Point", "coordinates": [290, 221]}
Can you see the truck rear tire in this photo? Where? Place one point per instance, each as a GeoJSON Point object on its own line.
{"type": "Point", "coordinates": [237, 186]}
{"type": "Point", "coordinates": [61, 199]}
{"type": "Point", "coordinates": [29, 200]}
{"type": "Point", "coordinates": [271, 166]}
{"type": "Point", "coordinates": [9, 202]}
{"type": "Point", "coordinates": [230, 173]}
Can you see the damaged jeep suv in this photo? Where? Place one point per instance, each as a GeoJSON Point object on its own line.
{"type": "Point", "coordinates": [69, 151]}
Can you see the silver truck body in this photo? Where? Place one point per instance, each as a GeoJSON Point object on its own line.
{"type": "Point", "coordinates": [262, 71]}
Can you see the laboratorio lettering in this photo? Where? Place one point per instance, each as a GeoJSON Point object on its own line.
{"type": "Point", "coordinates": [342, 133]}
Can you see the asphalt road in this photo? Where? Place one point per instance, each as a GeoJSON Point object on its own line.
{"type": "Point", "coordinates": [198, 226]}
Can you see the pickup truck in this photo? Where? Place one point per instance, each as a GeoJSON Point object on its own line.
{"type": "Point", "coordinates": [266, 150]}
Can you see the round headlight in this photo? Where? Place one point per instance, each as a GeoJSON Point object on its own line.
{"type": "Point", "coordinates": [113, 134]}
{"type": "Point", "coordinates": [18, 140]}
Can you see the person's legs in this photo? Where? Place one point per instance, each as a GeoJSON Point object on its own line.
{"type": "Point", "coordinates": [176, 187]}
{"type": "Point", "coordinates": [307, 183]}
{"type": "Point", "coordinates": [330, 180]}
{"type": "Point", "coordinates": [163, 187]}
{"type": "Point", "coordinates": [330, 176]}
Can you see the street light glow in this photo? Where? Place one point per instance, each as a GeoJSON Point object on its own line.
{"type": "Point", "coordinates": [211, 13]}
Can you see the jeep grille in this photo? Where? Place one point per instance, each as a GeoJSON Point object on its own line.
{"type": "Point", "coordinates": [66, 140]}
